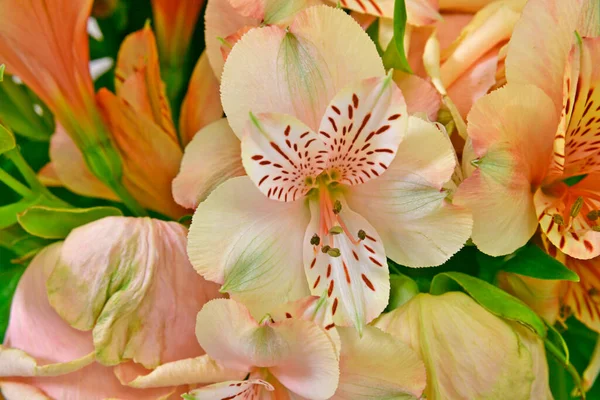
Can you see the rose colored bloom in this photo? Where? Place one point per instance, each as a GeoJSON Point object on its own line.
{"type": "Point", "coordinates": [543, 135]}
{"type": "Point", "coordinates": [129, 281]}
{"type": "Point", "coordinates": [333, 176]}
{"type": "Point", "coordinates": [468, 352]}
{"type": "Point", "coordinates": [43, 358]}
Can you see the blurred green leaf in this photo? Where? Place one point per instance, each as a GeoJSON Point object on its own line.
{"type": "Point", "coordinates": [57, 223]}
{"type": "Point", "coordinates": [7, 140]}
{"type": "Point", "coordinates": [395, 56]}
{"type": "Point", "coordinates": [490, 297]}
{"type": "Point", "coordinates": [2, 68]}
{"type": "Point", "coordinates": [530, 260]}
{"type": "Point", "coordinates": [8, 213]}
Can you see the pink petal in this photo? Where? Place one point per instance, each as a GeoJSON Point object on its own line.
{"type": "Point", "coordinates": [420, 95]}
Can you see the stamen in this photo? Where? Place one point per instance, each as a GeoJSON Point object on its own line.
{"type": "Point", "coordinates": [576, 208]}
{"type": "Point", "coordinates": [325, 248]}
{"type": "Point", "coordinates": [362, 235]}
{"type": "Point", "coordinates": [596, 228]}
{"type": "Point", "coordinates": [558, 219]}
{"type": "Point", "coordinates": [336, 230]}
{"type": "Point", "coordinates": [337, 207]}
{"type": "Point", "coordinates": [593, 215]}
{"type": "Point", "coordinates": [315, 240]}
{"type": "Point", "coordinates": [333, 252]}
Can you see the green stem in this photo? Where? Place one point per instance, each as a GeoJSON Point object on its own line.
{"type": "Point", "coordinates": [14, 184]}
{"type": "Point", "coordinates": [30, 176]}
{"type": "Point", "coordinates": [566, 365]}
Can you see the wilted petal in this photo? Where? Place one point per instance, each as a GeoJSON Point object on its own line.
{"type": "Point", "coordinates": [407, 205]}
{"type": "Point", "coordinates": [118, 272]}
{"type": "Point", "coordinates": [251, 244]}
{"type": "Point", "coordinates": [202, 103]}
{"type": "Point", "coordinates": [377, 365]}
{"type": "Point", "coordinates": [513, 155]}
{"type": "Point", "coordinates": [138, 79]}
{"type": "Point", "coordinates": [297, 352]}
{"type": "Point", "coordinates": [150, 158]}
{"type": "Point", "coordinates": [211, 158]}
{"type": "Point", "coordinates": [453, 335]}
{"type": "Point", "coordinates": [295, 71]}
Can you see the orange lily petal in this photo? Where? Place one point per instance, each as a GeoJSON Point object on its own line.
{"type": "Point", "coordinates": [138, 79]}
{"type": "Point", "coordinates": [48, 175]}
{"type": "Point", "coordinates": [202, 103]}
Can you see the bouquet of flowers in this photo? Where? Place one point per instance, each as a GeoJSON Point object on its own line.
{"type": "Point", "coordinates": [299, 199]}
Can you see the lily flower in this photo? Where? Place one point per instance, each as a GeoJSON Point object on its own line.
{"type": "Point", "coordinates": [43, 358]}
{"type": "Point", "coordinates": [128, 280]}
{"type": "Point", "coordinates": [543, 141]}
{"type": "Point", "coordinates": [333, 182]}
{"type": "Point", "coordinates": [460, 344]}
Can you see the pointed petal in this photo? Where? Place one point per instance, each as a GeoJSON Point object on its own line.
{"type": "Point", "coordinates": [250, 243]}
{"type": "Point", "coordinates": [138, 79]}
{"type": "Point", "coordinates": [202, 103]}
{"type": "Point", "coordinates": [540, 44]}
{"type": "Point", "coordinates": [174, 22]}
{"type": "Point", "coordinates": [211, 158]}
{"type": "Point", "coordinates": [575, 236]}
{"type": "Point", "coordinates": [453, 334]}
{"type": "Point", "coordinates": [48, 176]}
{"type": "Point", "coordinates": [150, 158]}
{"type": "Point", "coordinates": [362, 128]}
{"type": "Point", "coordinates": [297, 352]}
{"type": "Point", "coordinates": [71, 168]}
{"type": "Point", "coordinates": [294, 71]}
{"type": "Point", "coordinates": [242, 390]}
{"type": "Point", "coordinates": [420, 95]}
{"type": "Point", "coordinates": [377, 365]}
{"type": "Point", "coordinates": [282, 156]}
{"type": "Point", "coordinates": [513, 154]}
{"type": "Point", "coordinates": [356, 281]}
{"type": "Point", "coordinates": [189, 371]}
{"type": "Point", "coordinates": [107, 280]}
{"type": "Point", "coordinates": [408, 206]}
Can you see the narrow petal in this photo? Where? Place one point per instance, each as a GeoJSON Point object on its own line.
{"type": "Point", "coordinates": [115, 282]}
{"type": "Point", "coordinates": [251, 244]}
{"type": "Point", "coordinates": [540, 44]}
{"type": "Point", "coordinates": [138, 79]}
{"type": "Point", "coordinates": [377, 365]}
{"type": "Point", "coordinates": [362, 128]}
{"type": "Point", "coordinates": [189, 371]}
{"type": "Point", "coordinates": [202, 103]}
{"type": "Point", "coordinates": [282, 156]}
{"type": "Point", "coordinates": [211, 158]}
{"type": "Point", "coordinates": [71, 168]}
{"type": "Point", "coordinates": [513, 154]}
{"type": "Point", "coordinates": [297, 352]}
{"type": "Point", "coordinates": [420, 95]}
{"type": "Point", "coordinates": [581, 297]}
{"type": "Point", "coordinates": [574, 234]}
{"type": "Point", "coordinates": [295, 71]}
{"type": "Point", "coordinates": [408, 206]}
{"type": "Point", "coordinates": [150, 158]}
{"type": "Point", "coordinates": [242, 390]}
{"type": "Point", "coordinates": [356, 280]}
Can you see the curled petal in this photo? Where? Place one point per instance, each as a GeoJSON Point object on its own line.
{"type": "Point", "coordinates": [294, 71]}
{"type": "Point", "coordinates": [117, 272]}
{"type": "Point", "coordinates": [250, 244]}
{"type": "Point", "coordinates": [212, 157]}
{"type": "Point", "coordinates": [407, 205]}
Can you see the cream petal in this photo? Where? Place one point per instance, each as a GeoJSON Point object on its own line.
{"type": "Point", "coordinates": [115, 273]}
{"type": "Point", "coordinates": [251, 244]}
{"type": "Point", "coordinates": [513, 155]}
{"type": "Point", "coordinates": [295, 71]}
{"type": "Point", "coordinates": [212, 157]}
{"type": "Point", "coordinates": [20, 391]}
{"type": "Point", "coordinates": [362, 129]}
{"type": "Point", "coordinates": [407, 205]}
{"type": "Point", "coordinates": [378, 365]}
{"type": "Point", "coordinates": [242, 390]}
{"type": "Point", "coordinates": [282, 156]}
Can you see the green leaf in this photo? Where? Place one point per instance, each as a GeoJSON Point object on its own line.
{"type": "Point", "coordinates": [402, 289]}
{"type": "Point", "coordinates": [395, 56]}
{"type": "Point", "coordinates": [490, 297]}
{"type": "Point", "coordinates": [8, 213]}
{"type": "Point", "coordinates": [7, 140]}
{"type": "Point", "coordinates": [2, 68]}
{"type": "Point", "coordinates": [57, 223]}
{"type": "Point", "coordinates": [530, 260]}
